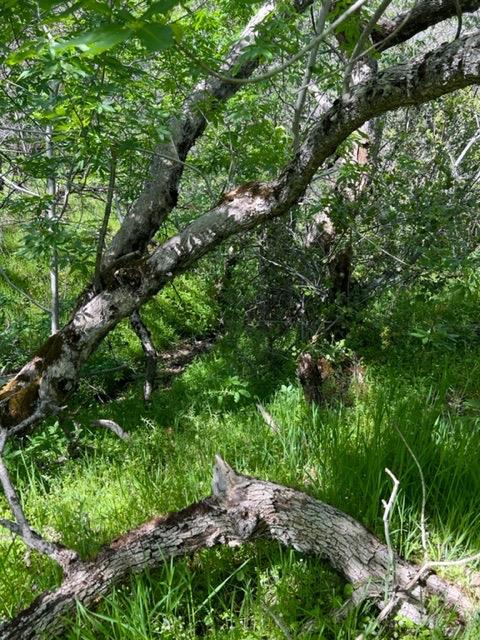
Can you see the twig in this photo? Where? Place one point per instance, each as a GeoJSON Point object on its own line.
{"type": "Point", "coordinates": [358, 51]}
{"type": "Point", "coordinates": [63, 556]}
{"type": "Point", "coordinates": [432, 564]}
{"type": "Point", "coordinates": [106, 217]}
{"type": "Point", "coordinates": [112, 426]}
{"type": "Point", "coordinates": [36, 416]}
{"type": "Point", "coordinates": [388, 506]}
{"type": "Point", "coordinates": [459, 19]}
{"type": "Point", "coordinates": [24, 293]}
{"type": "Point", "coordinates": [276, 70]}
{"type": "Point", "coordinates": [269, 421]}
{"type": "Point", "coordinates": [277, 620]}
{"type": "Point", "coordinates": [302, 95]}
{"type": "Point", "coordinates": [19, 188]}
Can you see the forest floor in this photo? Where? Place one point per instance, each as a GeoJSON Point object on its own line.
{"type": "Point", "coordinates": [85, 487]}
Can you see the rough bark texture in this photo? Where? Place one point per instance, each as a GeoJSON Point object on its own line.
{"type": "Point", "coordinates": [50, 376]}
{"type": "Point", "coordinates": [424, 14]}
{"type": "Point", "coordinates": [160, 192]}
{"type": "Point", "coordinates": [310, 376]}
{"type": "Point", "coordinates": [241, 509]}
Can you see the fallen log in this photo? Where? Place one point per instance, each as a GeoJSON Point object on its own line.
{"type": "Point", "coordinates": [241, 509]}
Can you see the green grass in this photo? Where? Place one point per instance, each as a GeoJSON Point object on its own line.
{"type": "Point", "coordinates": [337, 453]}
{"type": "Point", "coordinates": [421, 355]}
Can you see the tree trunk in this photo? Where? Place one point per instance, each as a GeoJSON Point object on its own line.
{"type": "Point", "coordinates": [241, 509]}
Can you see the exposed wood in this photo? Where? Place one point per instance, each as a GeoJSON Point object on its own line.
{"type": "Point", "coordinates": [241, 509]}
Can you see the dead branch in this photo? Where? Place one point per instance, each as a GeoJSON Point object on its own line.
{"type": "Point", "coordinates": [268, 419]}
{"type": "Point", "coordinates": [60, 554]}
{"type": "Point", "coordinates": [151, 355]}
{"type": "Point", "coordinates": [113, 427]}
{"type": "Point", "coordinates": [240, 509]}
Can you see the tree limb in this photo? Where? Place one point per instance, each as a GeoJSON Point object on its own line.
{"type": "Point", "coordinates": [241, 509]}
{"type": "Point", "coordinates": [63, 556]}
{"type": "Point", "coordinates": [160, 192]}
{"type": "Point", "coordinates": [149, 351]}
{"type": "Point", "coordinates": [425, 14]}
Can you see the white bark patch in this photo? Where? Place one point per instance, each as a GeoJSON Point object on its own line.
{"type": "Point", "coordinates": [246, 206]}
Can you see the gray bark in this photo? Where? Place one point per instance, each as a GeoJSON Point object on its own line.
{"type": "Point", "coordinates": [424, 14]}
{"type": "Point", "coordinates": [241, 509]}
{"type": "Point", "coordinates": [149, 351]}
{"type": "Point", "coordinates": [160, 193]}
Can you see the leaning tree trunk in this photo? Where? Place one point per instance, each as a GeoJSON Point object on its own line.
{"type": "Point", "coordinates": [241, 509]}
{"type": "Point", "coordinates": [129, 280]}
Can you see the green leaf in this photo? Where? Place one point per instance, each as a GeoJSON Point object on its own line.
{"type": "Point", "coordinates": [48, 4]}
{"type": "Point", "coordinates": [32, 49]}
{"type": "Point", "coordinates": [156, 36]}
{"type": "Point", "coordinates": [162, 7]}
{"type": "Point", "coordinates": [98, 40]}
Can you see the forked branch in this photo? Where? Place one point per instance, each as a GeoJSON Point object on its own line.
{"type": "Point", "coordinates": [21, 527]}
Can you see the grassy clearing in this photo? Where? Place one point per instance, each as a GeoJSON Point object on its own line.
{"type": "Point", "coordinates": [425, 385]}
{"type": "Point", "coordinates": [337, 454]}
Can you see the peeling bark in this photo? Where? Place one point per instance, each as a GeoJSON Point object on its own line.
{"type": "Point", "coordinates": [241, 509]}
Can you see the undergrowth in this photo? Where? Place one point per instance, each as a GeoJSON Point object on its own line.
{"type": "Point", "coordinates": [82, 486]}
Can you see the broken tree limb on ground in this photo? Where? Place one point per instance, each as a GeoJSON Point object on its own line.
{"type": "Point", "coordinates": [241, 509]}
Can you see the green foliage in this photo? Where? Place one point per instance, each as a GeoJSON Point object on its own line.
{"type": "Point", "coordinates": [153, 35]}
{"type": "Point", "coordinates": [436, 319]}
{"type": "Point", "coordinates": [107, 77]}
{"type": "Point", "coordinates": [86, 487]}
